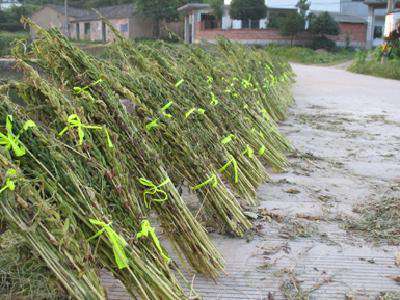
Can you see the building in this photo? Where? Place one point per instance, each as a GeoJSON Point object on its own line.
{"type": "Point", "coordinates": [200, 25]}
{"type": "Point", "coordinates": [4, 4]}
{"type": "Point", "coordinates": [376, 15]}
{"type": "Point", "coordinates": [392, 22]}
{"type": "Point", "coordinates": [82, 24]}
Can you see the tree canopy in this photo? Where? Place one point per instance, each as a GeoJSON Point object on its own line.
{"type": "Point", "coordinates": [10, 18]}
{"type": "Point", "coordinates": [159, 10]}
{"type": "Point", "coordinates": [248, 9]}
{"type": "Point", "coordinates": [323, 24]}
{"type": "Point", "coordinates": [291, 25]}
{"type": "Point", "coordinates": [217, 6]}
{"type": "Point", "coordinates": [303, 6]}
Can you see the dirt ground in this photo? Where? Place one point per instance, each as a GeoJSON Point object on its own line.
{"type": "Point", "coordinates": [346, 128]}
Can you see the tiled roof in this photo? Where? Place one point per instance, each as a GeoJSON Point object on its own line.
{"type": "Point", "coordinates": [72, 11]}
{"type": "Point", "coordinates": [109, 12]}
{"type": "Point", "coordinates": [194, 6]}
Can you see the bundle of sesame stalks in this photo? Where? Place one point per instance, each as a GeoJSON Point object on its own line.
{"type": "Point", "coordinates": [96, 152]}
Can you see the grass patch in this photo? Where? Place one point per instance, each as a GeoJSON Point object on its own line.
{"type": "Point", "coordinates": [388, 69]}
{"type": "Point", "coordinates": [309, 56]}
{"type": "Point", "coordinates": [379, 220]}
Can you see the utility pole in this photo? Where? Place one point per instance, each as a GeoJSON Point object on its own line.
{"type": "Point", "coordinates": [390, 7]}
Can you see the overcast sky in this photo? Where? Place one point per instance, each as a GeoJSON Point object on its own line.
{"type": "Point", "coordinates": [330, 5]}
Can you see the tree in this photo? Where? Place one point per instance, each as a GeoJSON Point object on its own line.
{"type": "Point", "coordinates": [321, 26]}
{"type": "Point", "coordinates": [158, 11]}
{"type": "Point", "coordinates": [248, 9]}
{"type": "Point", "coordinates": [324, 24]}
{"type": "Point", "coordinates": [291, 25]}
{"type": "Point", "coordinates": [10, 17]}
{"type": "Point", "coordinates": [303, 6]}
{"type": "Point", "coordinates": [217, 6]}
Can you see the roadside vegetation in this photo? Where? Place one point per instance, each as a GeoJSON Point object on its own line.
{"type": "Point", "coordinates": [367, 63]}
{"type": "Point", "coordinates": [320, 49]}
{"type": "Point", "coordinates": [309, 56]}
{"type": "Point", "coordinates": [383, 62]}
{"type": "Point", "coordinates": [7, 40]}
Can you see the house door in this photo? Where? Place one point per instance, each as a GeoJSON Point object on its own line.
{"type": "Point", "coordinates": [190, 34]}
{"type": "Point", "coordinates": [78, 31]}
{"type": "Point", "coordinates": [104, 32]}
{"type": "Point", "coordinates": [86, 28]}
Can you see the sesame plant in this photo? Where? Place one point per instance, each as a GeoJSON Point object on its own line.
{"type": "Point", "coordinates": [115, 142]}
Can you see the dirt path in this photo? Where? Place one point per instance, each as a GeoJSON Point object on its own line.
{"type": "Point", "coordinates": [346, 128]}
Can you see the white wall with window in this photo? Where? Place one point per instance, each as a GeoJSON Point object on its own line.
{"type": "Point", "coordinates": [228, 23]}
{"type": "Point", "coordinates": [329, 5]}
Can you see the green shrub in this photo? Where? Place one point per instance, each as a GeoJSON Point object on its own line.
{"type": "Point", "coordinates": [321, 26]}
{"type": "Point", "coordinates": [322, 42]}
{"type": "Point", "coordinates": [386, 69]}
{"type": "Point", "coordinates": [310, 56]}
{"type": "Point", "coordinates": [291, 25]}
{"type": "Point", "coordinates": [248, 9]}
{"type": "Point", "coordinates": [7, 39]}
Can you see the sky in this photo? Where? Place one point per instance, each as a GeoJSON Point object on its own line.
{"type": "Point", "coordinates": [330, 5]}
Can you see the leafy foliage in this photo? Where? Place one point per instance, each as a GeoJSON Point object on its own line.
{"type": "Point", "coordinates": [309, 56]}
{"type": "Point", "coordinates": [7, 39]}
{"type": "Point", "coordinates": [365, 65]}
{"type": "Point", "coordinates": [158, 10]}
{"type": "Point", "coordinates": [291, 25]}
{"type": "Point", "coordinates": [303, 6]}
{"type": "Point", "coordinates": [248, 9]}
{"type": "Point", "coordinates": [323, 24]}
{"type": "Point", "coordinates": [10, 18]}
{"type": "Point", "coordinates": [391, 48]}
{"type": "Point", "coordinates": [217, 6]}
{"type": "Point", "coordinates": [323, 42]}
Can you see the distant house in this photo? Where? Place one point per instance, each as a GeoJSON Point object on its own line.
{"type": "Point", "coordinates": [4, 4]}
{"type": "Point", "coordinates": [392, 22]}
{"type": "Point", "coordinates": [201, 25]}
{"type": "Point", "coordinates": [376, 19]}
{"type": "Point", "coordinates": [82, 24]}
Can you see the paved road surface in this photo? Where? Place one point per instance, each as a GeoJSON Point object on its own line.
{"type": "Point", "coordinates": [347, 129]}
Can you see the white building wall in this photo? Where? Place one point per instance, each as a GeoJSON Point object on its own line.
{"type": "Point", "coordinates": [329, 5]}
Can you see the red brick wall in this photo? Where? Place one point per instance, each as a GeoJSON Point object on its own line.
{"type": "Point", "coordinates": [356, 32]}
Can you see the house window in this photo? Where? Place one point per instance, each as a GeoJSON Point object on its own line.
{"type": "Point", "coordinates": [123, 28]}
{"type": "Point", "coordinates": [87, 28]}
{"type": "Point", "coordinates": [378, 32]}
{"type": "Point", "coordinates": [78, 31]}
